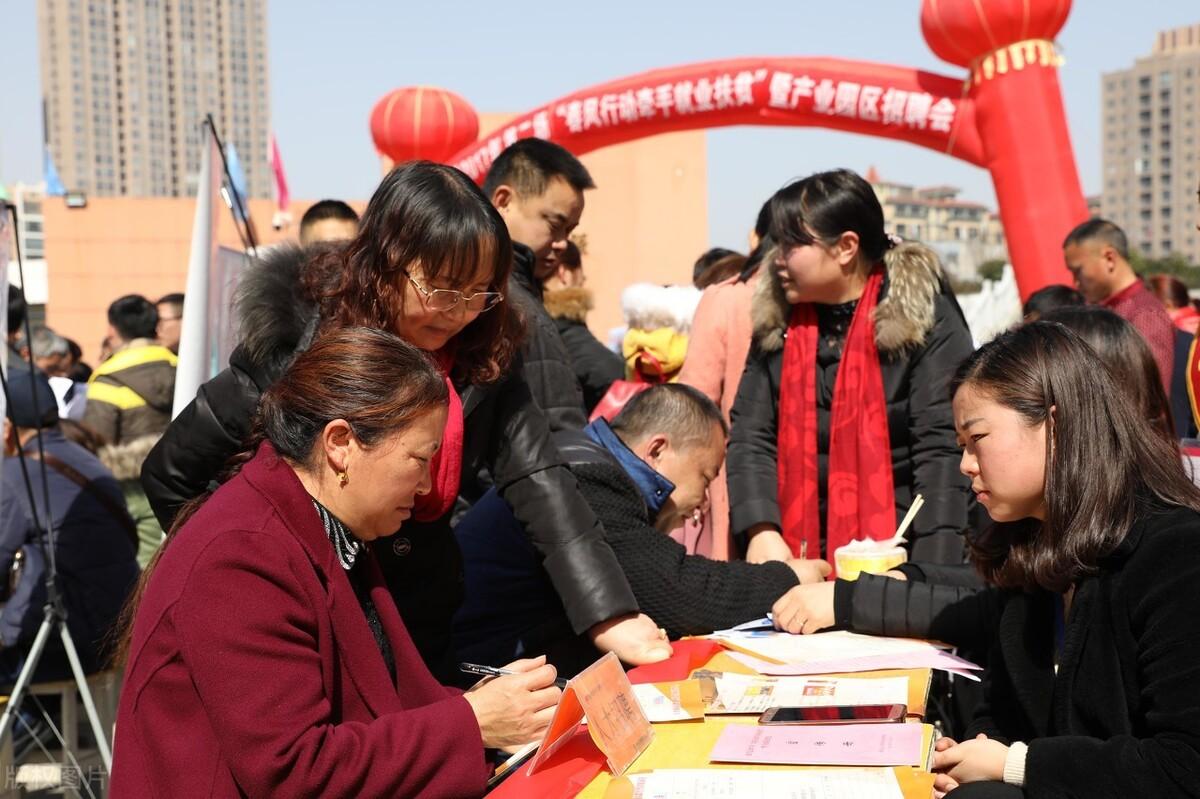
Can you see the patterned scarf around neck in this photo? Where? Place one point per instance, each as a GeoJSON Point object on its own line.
{"type": "Point", "coordinates": [344, 543]}
{"type": "Point", "coordinates": [861, 497]}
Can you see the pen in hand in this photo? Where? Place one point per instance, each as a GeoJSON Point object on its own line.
{"type": "Point", "coordinates": [492, 671]}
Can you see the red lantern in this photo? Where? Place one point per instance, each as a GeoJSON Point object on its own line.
{"type": "Point", "coordinates": [1008, 48]}
{"type": "Point", "coordinates": [960, 31]}
{"type": "Point", "coordinates": [422, 122]}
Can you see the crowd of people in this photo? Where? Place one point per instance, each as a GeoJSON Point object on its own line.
{"type": "Point", "coordinates": [420, 455]}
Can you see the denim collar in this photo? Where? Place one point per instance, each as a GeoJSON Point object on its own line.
{"type": "Point", "coordinates": [654, 488]}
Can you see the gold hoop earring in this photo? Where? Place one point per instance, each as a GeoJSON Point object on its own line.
{"type": "Point", "coordinates": [342, 479]}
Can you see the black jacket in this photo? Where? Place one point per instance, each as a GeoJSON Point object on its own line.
{"type": "Point", "coordinates": [685, 594]}
{"type": "Point", "coordinates": [935, 602]}
{"type": "Point", "coordinates": [595, 365]}
{"type": "Point", "coordinates": [921, 336]}
{"type": "Point", "coordinates": [1121, 717]}
{"type": "Point", "coordinates": [504, 432]}
{"type": "Point", "coordinates": [547, 366]}
{"type": "Point", "coordinates": [94, 551]}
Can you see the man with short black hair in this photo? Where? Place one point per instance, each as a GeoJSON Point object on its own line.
{"type": "Point", "coordinates": [642, 476]}
{"type": "Point", "coordinates": [537, 186]}
{"type": "Point", "coordinates": [1097, 255]}
{"type": "Point", "coordinates": [130, 395]}
{"type": "Point", "coordinates": [328, 220]}
{"type": "Point", "coordinates": [170, 320]}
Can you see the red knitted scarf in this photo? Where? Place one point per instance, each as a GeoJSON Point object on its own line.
{"type": "Point", "coordinates": [446, 467]}
{"type": "Point", "coordinates": [861, 500]}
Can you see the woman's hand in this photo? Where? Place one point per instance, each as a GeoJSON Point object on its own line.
{"type": "Point", "coordinates": [971, 761]}
{"type": "Point", "coordinates": [805, 608]}
{"type": "Point", "coordinates": [515, 709]}
{"type": "Point", "coordinates": [634, 638]}
{"type": "Point", "coordinates": [810, 571]}
{"type": "Point", "coordinates": [943, 783]}
{"type": "Point", "coordinates": [766, 543]}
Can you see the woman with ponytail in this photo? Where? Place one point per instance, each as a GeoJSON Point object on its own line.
{"type": "Point", "coordinates": [263, 653]}
{"type": "Point", "coordinates": [843, 416]}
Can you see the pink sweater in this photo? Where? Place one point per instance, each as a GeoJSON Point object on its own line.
{"type": "Point", "coordinates": [720, 342]}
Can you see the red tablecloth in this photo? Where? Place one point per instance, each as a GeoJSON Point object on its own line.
{"type": "Point", "coordinates": [575, 765]}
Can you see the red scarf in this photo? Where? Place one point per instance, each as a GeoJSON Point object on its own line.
{"type": "Point", "coordinates": [861, 500]}
{"type": "Point", "coordinates": [446, 466]}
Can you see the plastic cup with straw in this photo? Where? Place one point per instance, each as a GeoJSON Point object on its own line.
{"type": "Point", "coordinates": [876, 557]}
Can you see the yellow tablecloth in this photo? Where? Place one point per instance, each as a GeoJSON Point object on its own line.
{"type": "Point", "coordinates": [686, 744]}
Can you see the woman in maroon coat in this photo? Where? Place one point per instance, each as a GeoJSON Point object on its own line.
{"type": "Point", "coordinates": [266, 656]}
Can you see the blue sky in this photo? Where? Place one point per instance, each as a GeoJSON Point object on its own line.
{"type": "Point", "coordinates": [330, 62]}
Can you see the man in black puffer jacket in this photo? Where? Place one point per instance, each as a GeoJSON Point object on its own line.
{"type": "Point", "coordinates": [537, 187]}
{"type": "Point", "coordinates": [642, 477]}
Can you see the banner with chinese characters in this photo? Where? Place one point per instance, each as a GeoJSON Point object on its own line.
{"type": "Point", "coordinates": [896, 102]}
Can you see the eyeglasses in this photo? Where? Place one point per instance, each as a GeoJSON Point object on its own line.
{"type": "Point", "coordinates": [447, 299]}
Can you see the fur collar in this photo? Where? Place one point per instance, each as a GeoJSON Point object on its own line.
{"type": "Point", "coordinates": [571, 303]}
{"type": "Point", "coordinates": [903, 318]}
{"type": "Point", "coordinates": [274, 317]}
{"type": "Point", "coordinates": [649, 306]}
{"type": "Point", "coordinates": [125, 460]}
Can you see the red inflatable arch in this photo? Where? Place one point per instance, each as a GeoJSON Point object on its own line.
{"type": "Point", "coordinates": [1006, 115]}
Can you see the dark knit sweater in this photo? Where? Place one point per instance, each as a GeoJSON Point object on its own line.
{"type": "Point", "coordinates": [685, 594]}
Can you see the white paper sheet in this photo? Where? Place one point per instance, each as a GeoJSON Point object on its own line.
{"type": "Point", "coordinates": [836, 645]}
{"type": "Point", "coordinates": [659, 707]}
{"type": "Point", "coordinates": [933, 659]}
{"type": "Point", "coordinates": [791, 784]}
{"type": "Point", "coordinates": [740, 693]}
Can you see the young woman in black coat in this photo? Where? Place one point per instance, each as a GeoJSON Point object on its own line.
{"type": "Point", "coordinates": [842, 416]}
{"type": "Point", "coordinates": [1091, 684]}
{"type": "Point", "coordinates": [934, 601]}
{"type": "Point", "coordinates": [431, 263]}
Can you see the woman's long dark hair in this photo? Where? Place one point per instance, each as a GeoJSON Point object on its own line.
{"type": "Point", "coordinates": [370, 378]}
{"type": "Point", "coordinates": [1104, 461]}
{"type": "Point", "coordinates": [1127, 355]}
{"type": "Point", "coordinates": [434, 217]}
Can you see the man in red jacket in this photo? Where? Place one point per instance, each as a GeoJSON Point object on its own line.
{"type": "Point", "coordinates": [1097, 255]}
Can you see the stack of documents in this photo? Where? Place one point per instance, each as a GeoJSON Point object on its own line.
{"type": "Point", "coordinates": [780, 653]}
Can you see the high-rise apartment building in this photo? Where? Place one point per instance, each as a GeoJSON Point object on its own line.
{"type": "Point", "coordinates": [127, 83]}
{"type": "Point", "coordinates": [1151, 125]}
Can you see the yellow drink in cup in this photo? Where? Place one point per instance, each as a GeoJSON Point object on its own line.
{"type": "Point", "coordinates": [873, 557]}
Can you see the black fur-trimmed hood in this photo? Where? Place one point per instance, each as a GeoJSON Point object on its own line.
{"type": "Point", "coordinates": [903, 317]}
{"type": "Point", "coordinates": [275, 318]}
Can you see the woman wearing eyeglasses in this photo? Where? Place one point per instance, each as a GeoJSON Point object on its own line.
{"type": "Point", "coordinates": [429, 263]}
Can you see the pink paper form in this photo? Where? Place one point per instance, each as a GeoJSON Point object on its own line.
{"type": "Point", "coordinates": [815, 745]}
